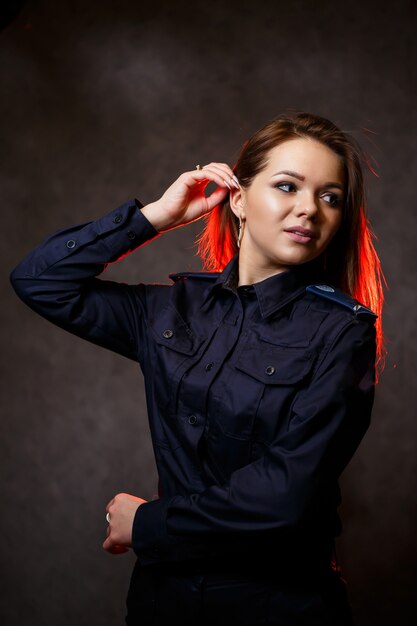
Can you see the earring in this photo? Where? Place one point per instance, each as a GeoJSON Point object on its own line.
{"type": "Point", "coordinates": [240, 232]}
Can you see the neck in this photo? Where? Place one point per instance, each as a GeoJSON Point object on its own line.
{"type": "Point", "coordinates": [251, 272]}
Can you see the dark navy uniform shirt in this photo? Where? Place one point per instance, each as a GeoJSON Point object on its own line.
{"type": "Point", "coordinates": [257, 396]}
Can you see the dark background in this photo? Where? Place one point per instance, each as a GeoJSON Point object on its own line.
{"type": "Point", "coordinates": [102, 101]}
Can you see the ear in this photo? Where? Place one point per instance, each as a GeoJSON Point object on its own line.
{"type": "Point", "coordinates": [237, 200]}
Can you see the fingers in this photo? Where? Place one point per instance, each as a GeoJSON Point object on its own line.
{"type": "Point", "coordinates": [207, 175]}
{"type": "Point", "coordinates": [110, 543]}
{"type": "Point", "coordinates": [114, 548]}
{"type": "Point", "coordinates": [121, 510]}
{"type": "Point", "coordinates": [216, 197]}
{"type": "Point", "coordinates": [224, 171]}
{"type": "Point", "coordinates": [219, 173]}
{"type": "Point", "coordinates": [224, 168]}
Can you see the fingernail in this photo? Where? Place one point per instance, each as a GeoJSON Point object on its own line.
{"type": "Point", "coordinates": [235, 183]}
{"type": "Point", "coordinates": [226, 183]}
{"type": "Point", "coordinates": [236, 180]}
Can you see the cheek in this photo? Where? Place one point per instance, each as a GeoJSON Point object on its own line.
{"type": "Point", "coordinates": [265, 212]}
{"type": "Point", "coordinates": [333, 224]}
{"type": "Point", "coordinates": [260, 218]}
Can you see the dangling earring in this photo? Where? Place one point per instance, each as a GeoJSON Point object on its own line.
{"type": "Point", "coordinates": [240, 232]}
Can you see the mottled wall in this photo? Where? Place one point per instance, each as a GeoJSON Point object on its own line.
{"type": "Point", "coordinates": [105, 100]}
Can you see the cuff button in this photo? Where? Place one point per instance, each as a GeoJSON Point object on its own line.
{"type": "Point", "coordinates": [70, 243]}
{"type": "Point", "coordinates": [117, 218]}
{"type": "Point", "coordinates": [131, 234]}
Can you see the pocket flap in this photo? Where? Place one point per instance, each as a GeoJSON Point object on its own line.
{"type": "Point", "coordinates": [277, 365]}
{"type": "Point", "coordinates": [171, 331]}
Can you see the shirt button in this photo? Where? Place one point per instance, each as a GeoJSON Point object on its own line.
{"type": "Point", "coordinates": [209, 366]}
{"type": "Point", "coordinates": [192, 420]}
{"type": "Point", "coordinates": [168, 333]}
{"type": "Point", "coordinates": [131, 234]}
{"type": "Point", "coordinates": [70, 243]}
{"type": "Point", "coordinates": [117, 218]}
{"type": "Point", "coordinates": [270, 370]}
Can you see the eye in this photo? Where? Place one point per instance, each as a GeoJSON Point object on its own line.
{"type": "Point", "coordinates": [333, 199]}
{"type": "Point", "coordinates": [286, 187]}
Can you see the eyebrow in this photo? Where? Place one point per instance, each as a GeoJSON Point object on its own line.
{"type": "Point", "coordinates": [300, 177]}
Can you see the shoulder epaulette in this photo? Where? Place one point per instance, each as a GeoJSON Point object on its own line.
{"type": "Point", "coordinates": [336, 295]}
{"type": "Point", "coordinates": [185, 275]}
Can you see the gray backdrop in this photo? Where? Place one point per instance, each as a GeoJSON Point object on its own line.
{"type": "Point", "coordinates": [106, 100]}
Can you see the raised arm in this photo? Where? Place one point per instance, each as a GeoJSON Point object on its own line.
{"type": "Point", "coordinates": [58, 279]}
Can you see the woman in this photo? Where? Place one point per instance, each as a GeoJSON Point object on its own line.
{"type": "Point", "coordinates": [259, 375]}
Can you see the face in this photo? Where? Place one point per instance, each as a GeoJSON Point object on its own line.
{"type": "Point", "coordinates": [292, 209]}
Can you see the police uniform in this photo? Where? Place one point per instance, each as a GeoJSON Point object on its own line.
{"type": "Point", "coordinates": [257, 397]}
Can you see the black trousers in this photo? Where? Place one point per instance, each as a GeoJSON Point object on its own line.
{"type": "Point", "coordinates": [163, 595]}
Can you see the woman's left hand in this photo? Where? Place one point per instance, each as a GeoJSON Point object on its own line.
{"type": "Point", "coordinates": [121, 510]}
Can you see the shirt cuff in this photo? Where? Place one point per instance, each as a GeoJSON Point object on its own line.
{"type": "Point", "coordinates": [126, 217]}
{"type": "Point", "coordinates": [152, 543]}
{"type": "Point", "coordinates": [149, 531]}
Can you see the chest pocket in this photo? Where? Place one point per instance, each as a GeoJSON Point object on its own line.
{"type": "Point", "coordinates": [171, 331]}
{"type": "Point", "coordinates": [175, 347]}
{"type": "Point", "coordinates": [275, 365]}
{"type": "Point", "coordinates": [263, 379]}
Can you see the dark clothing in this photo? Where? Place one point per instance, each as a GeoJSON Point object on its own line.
{"type": "Point", "coordinates": [257, 397]}
{"type": "Point", "coordinates": [164, 594]}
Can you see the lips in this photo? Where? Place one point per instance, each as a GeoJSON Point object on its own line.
{"type": "Point", "coordinates": [303, 232]}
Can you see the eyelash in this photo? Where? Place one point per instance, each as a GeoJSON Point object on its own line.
{"type": "Point", "coordinates": [335, 202]}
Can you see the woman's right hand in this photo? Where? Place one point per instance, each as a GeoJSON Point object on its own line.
{"type": "Point", "coordinates": [185, 201]}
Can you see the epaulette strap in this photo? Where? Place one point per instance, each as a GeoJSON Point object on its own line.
{"type": "Point", "coordinates": [204, 275]}
{"type": "Point", "coordinates": [336, 295]}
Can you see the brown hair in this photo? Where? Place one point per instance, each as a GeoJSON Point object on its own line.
{"type": "Point", "coordinates": [350, 261]}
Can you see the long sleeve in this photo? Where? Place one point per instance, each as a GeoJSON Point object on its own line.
{"type": "Point", "coordinates": [58, 279]}
{"type": "Point", "coordinates": [282, 489]}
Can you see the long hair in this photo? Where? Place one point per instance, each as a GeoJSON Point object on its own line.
{"type": "Point", "coordinates": [350, 261]}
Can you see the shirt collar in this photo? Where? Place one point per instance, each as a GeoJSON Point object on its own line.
{"type": "Point", "coordinates": [274, 292]}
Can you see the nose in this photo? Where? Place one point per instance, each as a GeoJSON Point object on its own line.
{"type": "Point", "coordinates": [307, 206]}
